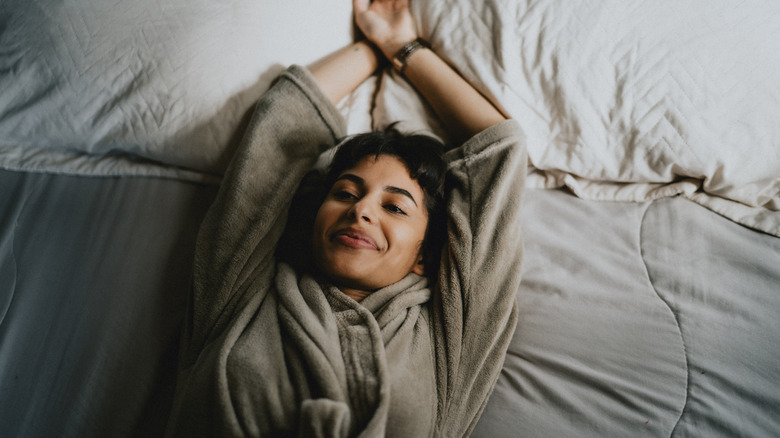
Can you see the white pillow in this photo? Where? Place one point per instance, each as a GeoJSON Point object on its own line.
{"type": "Point", "coordinates": [629, 100]}
{"type": "Point", "coordinates": [99, 87]}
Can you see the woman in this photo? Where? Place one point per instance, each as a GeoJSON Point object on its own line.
{"type": "Point", "coordinates": [362, 344]}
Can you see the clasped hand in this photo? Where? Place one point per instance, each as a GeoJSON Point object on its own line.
{"type": "Point", "coordinates": [388, 24]}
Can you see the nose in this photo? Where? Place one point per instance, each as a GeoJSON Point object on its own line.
{"type": "Point", "coordinates": [362, 210]}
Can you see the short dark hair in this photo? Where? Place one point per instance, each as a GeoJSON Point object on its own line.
{"type": "Point", "coordinates": [423, 157]}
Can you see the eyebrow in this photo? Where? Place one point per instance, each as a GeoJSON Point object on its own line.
{"type": "Point", "coordinates": [391, 189]}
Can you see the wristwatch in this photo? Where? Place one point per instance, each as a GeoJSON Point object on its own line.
{"type": "Point", "coordinates": [402, 56]}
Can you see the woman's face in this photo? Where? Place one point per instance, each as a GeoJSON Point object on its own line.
{"type": "Point", "coordinates": [370, 228]}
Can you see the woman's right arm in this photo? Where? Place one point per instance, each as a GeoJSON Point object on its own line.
{"type": "Point", "coordinates": [293, 122]}
{"type": "Point", "coordinates": [463, 109]}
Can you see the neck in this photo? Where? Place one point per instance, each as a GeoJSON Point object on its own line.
{"type": "Point", "coordinates": [355, 294]}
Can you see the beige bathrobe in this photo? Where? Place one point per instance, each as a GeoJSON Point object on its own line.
{"type": "Point", "coordinates": [268, 351]}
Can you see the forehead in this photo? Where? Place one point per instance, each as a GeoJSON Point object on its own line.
{"type": "Point", "coordinates": [384, 170]}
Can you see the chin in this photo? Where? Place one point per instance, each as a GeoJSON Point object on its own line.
{"type": "Point", "coordinates": [343, 274]}
{"type": "Point", "coordinates": [350, 279]}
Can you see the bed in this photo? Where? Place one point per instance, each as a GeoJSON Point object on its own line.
{"type": "Point", "coordinates": [650, 298]}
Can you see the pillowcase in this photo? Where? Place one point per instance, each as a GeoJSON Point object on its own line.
{"type": "Point", "coordinates": [146, 87]}
{"type": "Point", "coordinates": [627, 100]}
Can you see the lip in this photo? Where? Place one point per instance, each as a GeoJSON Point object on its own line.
{"type": "Point", "coordinates": [355, 238]}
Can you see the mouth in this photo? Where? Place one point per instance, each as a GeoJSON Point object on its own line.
{"type": "Point", "coordinates": [356, 239]}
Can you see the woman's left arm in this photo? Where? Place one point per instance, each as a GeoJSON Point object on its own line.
{"type": "Point", "coordinates": [390, 26]}
{"type": "Point", "coordinates": [292, 124]}
{"type": "Point", "coordinates": [474, 312]}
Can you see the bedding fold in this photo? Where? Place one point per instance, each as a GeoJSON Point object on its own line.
{"type": "Point", "coordinates": [625, 101]}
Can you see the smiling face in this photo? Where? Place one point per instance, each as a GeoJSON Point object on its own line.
{"type": "Point", "coordinates": [370, 228]}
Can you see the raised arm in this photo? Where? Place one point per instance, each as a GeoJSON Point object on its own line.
{"type": "Point", "coordinates": [339, 73]}
{"type": "Point", "coordinates": [473, 309]}
{"type": "Point", "coordinates": [390, 26]}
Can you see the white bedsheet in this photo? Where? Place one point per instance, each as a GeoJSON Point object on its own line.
{"type": "Point", "coordinates": [146, 87]}
{"type": "Point", "coordinates": [630, 100]}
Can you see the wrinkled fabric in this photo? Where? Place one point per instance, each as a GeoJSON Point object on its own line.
{"type": "Point", "coordinates": [625, 101]}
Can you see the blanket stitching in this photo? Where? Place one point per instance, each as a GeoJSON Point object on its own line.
{"type": "Point", "coordinates": [676, 320]}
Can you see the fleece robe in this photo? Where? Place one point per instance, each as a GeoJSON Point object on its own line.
{"type": "Point", "coordinates": [268, 351]}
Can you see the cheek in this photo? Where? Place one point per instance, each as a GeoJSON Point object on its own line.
{"type": "Point", "coordinates": [320, 223]}
{"type": "Point", "coordinates": [410, 236]}
{"type": "Point", "coordinates": [317, 236]}
{"type": "Point", "coordinates": [327, 214]}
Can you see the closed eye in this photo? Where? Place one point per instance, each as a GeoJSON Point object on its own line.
{"type": "Point", "coordinates": [344, 195]}
{"type": "Point", "coordinates": [392, 208]}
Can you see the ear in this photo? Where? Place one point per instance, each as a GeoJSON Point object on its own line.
{"type": "Point", "coordinates": [419, 266]}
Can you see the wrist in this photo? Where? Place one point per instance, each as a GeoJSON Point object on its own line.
{"type": "Point", "coordinates": [391, 47]}
{"type": "Point", "coordinates": [405, 52]}
{"type": "Point", "coordinates": [371, 53]}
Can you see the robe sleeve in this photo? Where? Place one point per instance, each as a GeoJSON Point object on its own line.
{"type": "Point", "coordinates": [292, 124]}
{"type": "Point", "coordinates": [474, 306]}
